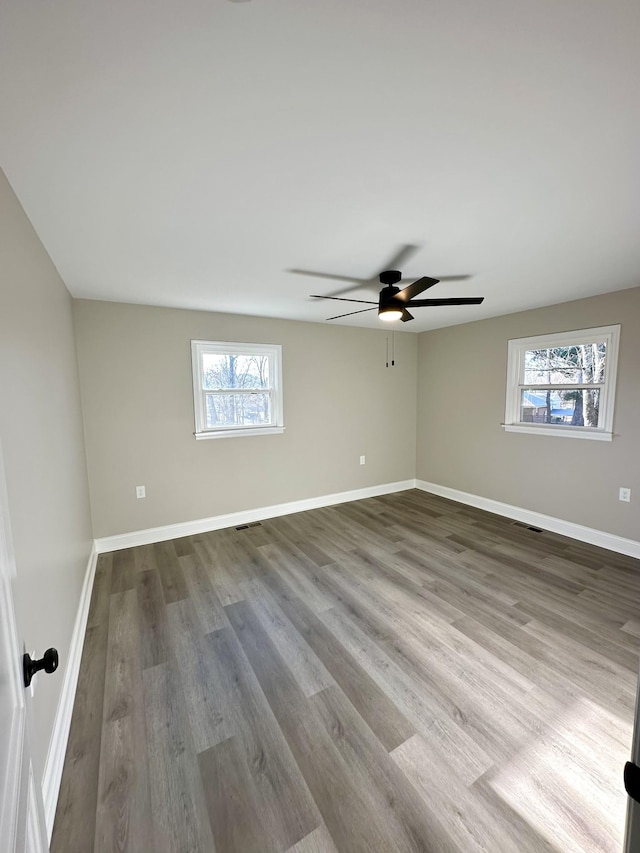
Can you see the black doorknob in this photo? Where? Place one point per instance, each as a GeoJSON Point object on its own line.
{"type": "Point", "coordinates": [48, 662]}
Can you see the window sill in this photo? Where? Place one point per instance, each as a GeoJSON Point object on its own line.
{"type": "Point", "coordinates": [234, 433]}
{"type": "Point", "coordinates": [562, 431]}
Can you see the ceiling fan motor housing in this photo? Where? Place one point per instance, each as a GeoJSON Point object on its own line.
{"type": "Point", "coordinates": [387, 296]}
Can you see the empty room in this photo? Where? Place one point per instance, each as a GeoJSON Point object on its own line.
{"type": "Point", "coordinates": [319, 427]}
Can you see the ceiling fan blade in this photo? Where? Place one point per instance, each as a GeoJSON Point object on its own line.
{"type": "Point", "coordinates": [400, 258]}
{"type": "Point", "coordinates": [405, 280]}
{"type": "Point", "coordinates": [406, 316]}
{"type": "Point", "coordinates": [417, 287]}
{"type": "Point", "coordinates": [362, 310]}
{"type": "Point", "coordinates": [342, 299]}
{"type": "Point", "coordinates": [455, 300]}
{"type": "Point", "coordinates": [330, 276]}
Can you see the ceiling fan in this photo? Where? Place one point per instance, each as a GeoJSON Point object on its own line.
{"type": "Point", "coordinates": [393, 303]}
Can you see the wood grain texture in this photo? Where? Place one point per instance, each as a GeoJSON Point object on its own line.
{"type": "Point", "coordinates": [152, 616]}
{"type": "Point", "coordinates": [123, 819]}
{"type": "Point", "coordinates": [75, 822]}
{"type": "Point", "coordinates": [178, 808]}
{"type": "Point", "coordinates": [402, 673]}
{"type": "Point", "coordinates": [168, 563]}
{"type": "Point", "coordinates": [318, 841]}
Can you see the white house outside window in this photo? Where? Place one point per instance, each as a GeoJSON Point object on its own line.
{"type": "Point", "coordinates": [563, 384]}
{"type": "Point", "coordinates": [237, 389]}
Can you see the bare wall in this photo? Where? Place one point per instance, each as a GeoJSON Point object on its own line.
{"type": "Point", "coordinates": [340, 402]}
{"type": "Point", "coordinates": [461, 399]}
{"type": "Point", "coordinates": [43, 448]}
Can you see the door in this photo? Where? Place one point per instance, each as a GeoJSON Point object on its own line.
{"type": "Point", "coordinates": [632, 842]}
{"type": "Point", "coordinates": [21, 813]}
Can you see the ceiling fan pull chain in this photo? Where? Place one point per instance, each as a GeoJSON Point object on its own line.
{"type": "Point", "coordinates": [393, 349]}
{"type": "Point", "coordinates": [387, 342]}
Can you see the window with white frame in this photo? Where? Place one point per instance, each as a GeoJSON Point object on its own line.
{"type": "Point", "coordinates": [563, 384]}
{"type": "Point", "coordinates": [237, 389]}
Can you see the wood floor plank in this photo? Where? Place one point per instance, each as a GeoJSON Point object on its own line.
{"type": "Point", "coordinates": [224, 701]}
{"type": "Point", "coordinates": [123, 570]}
{"type": "Point", "coordinates": [613, 644]}
{"type": "Point", "coordinates": [349, 802]}
{"type": "Point", "coordinates": [183, 546]}
{"type": "Point", "coordinates": [214, 557]}
{"type": "Point", "coordinates": [452, 745]}
{"type": "Point", "coordinates": [145, 558]}
{"type": "Point", "coordinates": [178, 806]}
{"type": "Point", "coordinates": [124, 664]}
{"type": "Point", "coordinates": [408, 825]}
{"type": "Point", "coordinates": [307, 668]}
{"type": "Point", "coordinates": [204, 705]}
{"type": "Point", "coordinates": [295, 529]}
{"type": "Point", "coordinates": [168, 565]}
{"type": "Point", "coordinates": [232, 802]}
{"type": "Point", "coordinates": [379, 712]}
{"type": "Point", "coordinates": [123, 819]}
{"type": "Point", "coordinates": [455, 691]}
{"type": "Point", "coordinates": [318, 841]}
{"type": "Point", "coordinates": [574, 823]}
{"type": "Point", "coordinates": [208, 606]}
{"type": "Point", "coordinates": [286, 806]}
{"type": "Point", "coordinates": [75, 821]}
{"type": "Point", "coordinates": [100, 595]}
{"type": "Point", "coordinates": [459, 821]}
{"type": "Point", "coordinates": [299, 572]}
{"type": "Point", "coordinates": [154, 637]}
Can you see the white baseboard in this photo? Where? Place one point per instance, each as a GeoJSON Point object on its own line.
{"type": "Point", "coordinates": [556, 525]}
{"type": "Point", "coordinates": [216, 522]}
{"type": "Point", "coordinates": [58, 745]}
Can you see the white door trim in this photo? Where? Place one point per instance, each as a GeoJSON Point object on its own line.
{"type": "Point", "coordinates": [21, 818]}
{"type": "Point", "coordinates": [9, 807]}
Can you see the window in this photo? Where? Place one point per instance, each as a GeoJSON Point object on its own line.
{"type": "Point", "coordinates": [237, 389]}
{"type": "Point", "coordinates": [563, 384]}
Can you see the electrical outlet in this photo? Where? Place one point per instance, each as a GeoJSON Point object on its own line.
{"type": "Point", "coordinates": [141, 492]}
{"type": "Point", "coordinates": [624, 495]}
{"type": "Point", "coordinates": [362, 460]}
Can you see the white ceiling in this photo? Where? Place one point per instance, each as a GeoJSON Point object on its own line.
{"type": "Point", "coordinates": [189, 153]}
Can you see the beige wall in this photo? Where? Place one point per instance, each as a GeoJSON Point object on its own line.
{"type": "Point", "coordinates": [340, 401]}
{"type": "Point", "coordinates": [43, 448]}
{"type": "Point", "coordinates": [461, 399]}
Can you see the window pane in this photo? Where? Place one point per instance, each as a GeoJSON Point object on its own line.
{"type": "Point", "coordinates": [237, 410]}
{"type": "Point", "coordinates": [220, 370]}
{"type": "Point", "coordinates": [576, 364]}
{"type": "Point", "coordinates": [569, 408]}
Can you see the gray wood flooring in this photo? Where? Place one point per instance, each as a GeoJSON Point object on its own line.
{"type": "Point", "coordinates": [402, 673]}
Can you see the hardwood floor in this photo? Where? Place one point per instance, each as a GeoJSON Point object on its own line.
{"type": "Point", "coordinates": [402, 673]}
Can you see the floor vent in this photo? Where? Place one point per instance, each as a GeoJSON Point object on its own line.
{"type": "Point", "coordinates": [247, 526]}
{"type": "Point", "coordinates": [527, 526]}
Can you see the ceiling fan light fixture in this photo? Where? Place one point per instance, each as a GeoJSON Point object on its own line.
{"type": "Point", "coordinates": [389, 313]}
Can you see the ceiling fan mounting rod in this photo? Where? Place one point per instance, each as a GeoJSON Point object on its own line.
{"type": "Point", "coordinates": [390, 277]}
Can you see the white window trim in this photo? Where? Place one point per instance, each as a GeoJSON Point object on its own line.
{"type": "Point", "coordinates": [515, 374]}
{"type": "Point", "coordinates": [274, 351]}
